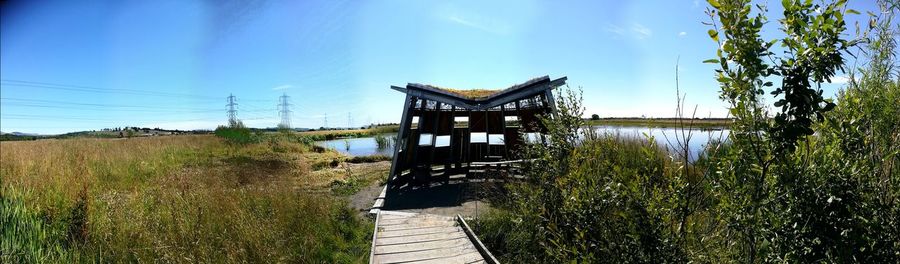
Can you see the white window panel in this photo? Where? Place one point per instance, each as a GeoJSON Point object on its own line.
{"type": "Point", "coordinates": [478, 137]}
{"type": "Point", "coordinates": [495, 139]}
{"type": "Point", "coordinates": [426, 139]}
{"type": "Point", "coordinates": [442, 141]}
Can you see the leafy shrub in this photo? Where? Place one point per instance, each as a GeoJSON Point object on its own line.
{"type": "Point", "coordinates": [237, 134]}
{"type": "Point", "coordinates": [587, 198]}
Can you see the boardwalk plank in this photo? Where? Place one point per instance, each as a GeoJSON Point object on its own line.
{"type": "Point", "coordinates": [419, 238]}
{"type": "Point", "coordinates": [429, 245]}
{"type": "Point", "coordinates": [400, 227]}
{"type": "Point", "coordinates": [429, 254]}
{"type": "Point", "coordinates": [470, 257]}
{"type": "Point", "coordinates": [417, 231]}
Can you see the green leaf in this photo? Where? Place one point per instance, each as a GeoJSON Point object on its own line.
{"type": "Point", "coordinates": [851, 11]}
{"type": "Point", "coordinates": [711, 61]}
{"type": "Point", "coordinates": [713, 34]}
{"type": "Point", "coordinates": [714, 3]}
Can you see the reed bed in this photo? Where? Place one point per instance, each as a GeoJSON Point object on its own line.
{"type": "Point", "coordinates": [172, 199]}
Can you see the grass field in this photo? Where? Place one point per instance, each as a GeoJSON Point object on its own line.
{"type": "Point", "coordinates": [180, 199]}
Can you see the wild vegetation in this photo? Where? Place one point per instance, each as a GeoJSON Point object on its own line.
{"type": "Point", "coordinates": [702, 123]}
{"type": "Point", "coordinates": [180, 199]}
{"type": "Point", "coordinates": [320, 135]}
{"type": "Point", "coordinates": [805, 179]}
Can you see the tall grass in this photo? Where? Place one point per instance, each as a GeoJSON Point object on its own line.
{"type": "Point", "coordinates": [171, 199]}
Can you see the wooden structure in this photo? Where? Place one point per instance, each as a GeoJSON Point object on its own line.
{"type": "Point", "coordinates": [444, 131]}
{"type": "Point", "coordinates": [402, 237]}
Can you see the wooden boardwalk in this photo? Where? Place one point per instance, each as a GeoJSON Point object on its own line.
{"type": "Point", "coordinates": [402, 237]}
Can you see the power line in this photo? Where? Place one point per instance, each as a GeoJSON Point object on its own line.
{"type": "Point", "coordinates": [38, 105]}
{"type": "Point", "coordinates": [81, 88]}
{"type": "Point", "coordinates": [100, 105]}
{"type": "Point", "coordinates": [70, 118]}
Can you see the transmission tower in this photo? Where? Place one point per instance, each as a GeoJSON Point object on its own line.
{"type": "Point", "coordinates": [232, 113]}
{"type": "Point", "coordinates": [284, 111]}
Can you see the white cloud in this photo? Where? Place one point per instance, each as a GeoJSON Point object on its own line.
{"type": "Point", "coordinates": [614, 29]}
{"type": "Point", "coordinates": [640, 31]}
{"type": "Point", "coordinates": [471, 24]}
{"type": "Point", "coordinates": [840, 79]}
{"type": "Point", "coordinates": [283, 87]}
{"type": "Point", "coordinates": [682, 34]}
{"type": "Point", "coordinates": [636, 31]}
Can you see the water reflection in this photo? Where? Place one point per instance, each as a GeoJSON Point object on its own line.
{"type": "Point", "coordinates": [360, 146]}
{"type": "Point", "coordinates": [669, 137]}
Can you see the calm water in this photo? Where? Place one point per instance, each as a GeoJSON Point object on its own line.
{"type": "Point", "coordinates": [699, 138]}
{"type": "Point", "coordinates": [666, 137]}
{"type": "Point", "coordinates": [357, 146]}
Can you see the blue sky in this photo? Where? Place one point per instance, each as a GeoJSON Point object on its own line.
{"type": "Point", "coordinates": [171, 64]}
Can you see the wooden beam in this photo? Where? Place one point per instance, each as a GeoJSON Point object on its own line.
{"type": "Point", "coordinates": [405, 121]}
{"type": "Point", "coordinates": [507, 97]}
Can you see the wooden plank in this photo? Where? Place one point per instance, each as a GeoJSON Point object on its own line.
{"type": "Point", "coordinates": [428, 245]}
{"type": "Point", "coordinates": [403, 237]}
{"type": "Point", "coordinates": [418, 231]}
{"type": "Point", "coordinates": [488, 257]}
{"type": "Point", "coordinates": [401, 138]}
{"type": "Point", "coordinates": [417, 221]}
{"type": "Point", "coordinates": [420, 238]}
{"type": "Point", "coordinates": [398, 213]}
{"type": "Point", "coordinates": [414, 221]}
{"type": "Point", "coordinates": [374, 239]}
{"type": "Point", "coordinates": [470, 257]}
{"type": "Point", "coordinates": [414, 226]}
{"type": "Point", "coordinates": [388, 216]}
{"type": "Point", "coordinates": [424, 254]}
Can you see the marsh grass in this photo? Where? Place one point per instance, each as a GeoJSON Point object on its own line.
{"type": "Point", "coordinates": [174, 199]}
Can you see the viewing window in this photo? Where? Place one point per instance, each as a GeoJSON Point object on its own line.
{"type": "Point", "coordinates": [478, 137]}
{"type": "Point", "coordinates": [415, 122]}
{"type": "Point", "coordinates": [426, 139]}
{"type": "Point", "coordinates": [461, 121]}
{"type": "Point", "coordinates": [533, 137]}
{"type": "Point", "coordinates": [511, 121]}
{"type": "Point", "coordinates": [495, 139]}
{"type": "Point", "coordinates": [442, 141]}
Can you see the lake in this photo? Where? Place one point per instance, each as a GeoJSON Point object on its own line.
{"type": "Point", "coordinates": [366, 145]}
{"type": "Point", "coordinates": [666, 137]}
{"type": "Point", "coordinates": [363, 146]}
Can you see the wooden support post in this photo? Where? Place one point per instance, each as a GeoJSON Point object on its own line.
{"type": "Point", "coordinates": [402, 134]}
{"type": "Point", "coordinates": [503, 131]}
{"type": "Point", "coordinates": [415, 148]}
{"type": "Point", "coordinates": [434, 130]}
{"type": "Point", "coordinates": [548, 96]}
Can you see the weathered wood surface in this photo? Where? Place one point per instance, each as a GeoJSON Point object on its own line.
{"type": "Point", "coordinates": [421, 238]}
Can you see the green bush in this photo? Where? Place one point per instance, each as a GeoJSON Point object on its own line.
{"type": "Point", "coordinates": [587, 198]}
{"type": "Point", "coordinates": [237, 134]}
